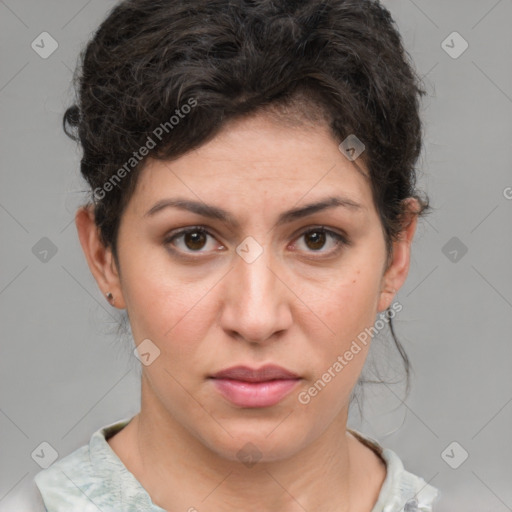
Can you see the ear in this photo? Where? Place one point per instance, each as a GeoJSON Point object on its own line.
{"type": "Point", "coordinates": [99, 258]}
{"type": "Point", "coordinates": [398, 266]}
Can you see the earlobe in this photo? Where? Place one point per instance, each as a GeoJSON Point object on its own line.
{"type": "Point", "coordinates": [99, 258]}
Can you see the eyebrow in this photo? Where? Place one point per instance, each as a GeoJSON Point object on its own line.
{"type": "Point", "coordinates": [214, 212]}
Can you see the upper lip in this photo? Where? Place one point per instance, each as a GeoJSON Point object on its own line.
{"type": "Point", "coordinates": [247, 374]}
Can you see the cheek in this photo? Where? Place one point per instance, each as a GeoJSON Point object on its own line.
{"type": "Point", "coordinates": [348, 308]}
{"type": "Point", "coordinates": [347, 305]}
{"type": "Point", "coordinates": [173, 314]}
{"type": "Point", "coordinates": [348, 302]}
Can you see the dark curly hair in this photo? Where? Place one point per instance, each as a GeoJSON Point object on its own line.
{"type": "Point", "coordinates": [162, 77]}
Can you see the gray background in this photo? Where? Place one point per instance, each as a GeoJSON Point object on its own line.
{"type": "Point", "coordinates": [64, 372]}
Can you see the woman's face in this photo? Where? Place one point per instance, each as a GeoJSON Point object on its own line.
{"type": "Point", "coordinates": [258, 284]}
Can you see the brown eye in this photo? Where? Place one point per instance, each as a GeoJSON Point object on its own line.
{"type": "Point", "coordinates": [321, 240]}
{"type": "Point", "coordinates": [195, 240]}
{"type": "Point", "coordinates": [315, 239]}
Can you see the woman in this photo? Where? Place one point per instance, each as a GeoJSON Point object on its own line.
{"type": "Point", "coordinates": [253, 204]}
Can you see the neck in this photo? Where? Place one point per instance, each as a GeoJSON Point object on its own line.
{"type": "Point", "coordinates": [180, 472]}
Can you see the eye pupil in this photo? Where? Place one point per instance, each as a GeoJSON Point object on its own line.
{"type": "Point", "coordinates": [195, 240]}
{"type": "Point", "coordinates": [317, 238]}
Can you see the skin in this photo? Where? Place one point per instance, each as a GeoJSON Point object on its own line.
{"type": "Point", "coordinates": [300, 305]}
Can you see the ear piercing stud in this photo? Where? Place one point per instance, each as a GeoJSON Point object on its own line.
{"type": "Point", "coordinates": [110, 297]}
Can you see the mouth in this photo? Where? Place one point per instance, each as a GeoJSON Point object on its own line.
{"type": "Point", "coordinates": [250, 388]}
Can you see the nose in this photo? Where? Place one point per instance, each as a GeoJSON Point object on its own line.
{"type": "Point", "coordinates": [256, 301]}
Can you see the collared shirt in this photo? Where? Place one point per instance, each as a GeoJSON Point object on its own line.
{"type": "Point", "coordinates": [93, 478]}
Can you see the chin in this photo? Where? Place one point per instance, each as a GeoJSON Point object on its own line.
{"type": "Point", "coordinates": [257, 441]}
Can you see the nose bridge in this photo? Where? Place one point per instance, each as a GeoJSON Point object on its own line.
{"type": "Point", "coordinates": [257, 281]}
{"type": "Point", "coordinates": [255, 303]}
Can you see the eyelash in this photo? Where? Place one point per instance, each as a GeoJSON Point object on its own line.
{"type": "Point", "coordinates": [341, 240]}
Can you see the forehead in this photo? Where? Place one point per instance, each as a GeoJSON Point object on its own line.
{"type": "Point", "coordinates": [259, 156]}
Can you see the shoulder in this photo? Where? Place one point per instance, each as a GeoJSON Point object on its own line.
{"type": "Point", "coordinates": [401, 490]}
{"type": "Point", "coordinates": [90, 478]}
{"type": "Point", "coordinates": [71, 483]}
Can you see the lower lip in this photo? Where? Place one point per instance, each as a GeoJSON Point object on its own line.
{"type": "Point", "coordinates": [255, 394]}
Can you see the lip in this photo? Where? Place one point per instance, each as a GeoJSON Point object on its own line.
{"type": "Point", "coordinates": [249, 387]}
{"type": "Point", "coordinates": [247, 374]}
